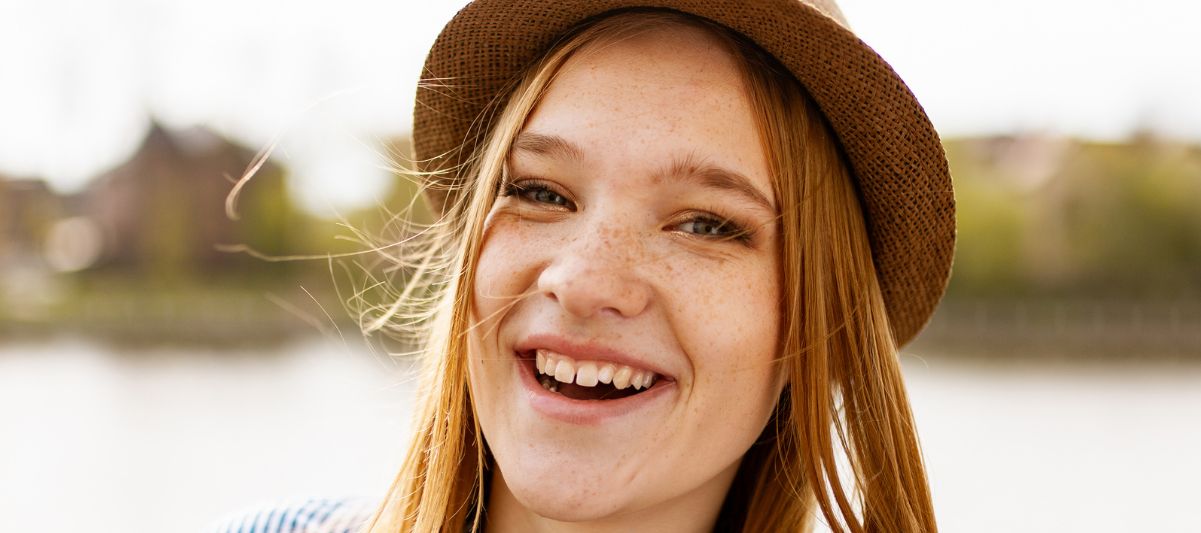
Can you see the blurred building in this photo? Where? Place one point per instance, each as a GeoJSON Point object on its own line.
{"type": "Point", "coordinates": [161, 214]}
{"type": "Point", "coordinates": [136, 255]}
{"type": "Point", "coordinates": [27, 210]}
{"type": "Point", "coordinates": [163, 210]}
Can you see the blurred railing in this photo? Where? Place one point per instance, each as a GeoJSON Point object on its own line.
{"type": "Point", "coordinates": [1076, 328]}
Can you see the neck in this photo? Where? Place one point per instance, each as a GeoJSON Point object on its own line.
{"type": "Point", "coordinates": [694, 511]}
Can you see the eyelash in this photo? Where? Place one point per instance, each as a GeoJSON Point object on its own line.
{"type": "Point", "coordinates": [525, 190]}
{"type": "Point", "coordinates": [522, 189]}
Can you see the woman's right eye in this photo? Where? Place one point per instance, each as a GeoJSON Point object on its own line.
{"type": "Point", "coordinates": [536, 192]}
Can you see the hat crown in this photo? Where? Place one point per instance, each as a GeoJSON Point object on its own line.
{"type": "Point", "coordinates": [829, 9]}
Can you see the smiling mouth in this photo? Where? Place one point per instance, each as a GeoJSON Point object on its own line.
{"type": "Point", "coordinates": [587, 380]}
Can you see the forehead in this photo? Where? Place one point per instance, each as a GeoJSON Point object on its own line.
{"type": "Point", "coordinates": [639, 101]}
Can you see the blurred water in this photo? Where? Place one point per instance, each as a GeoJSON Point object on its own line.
{"type": "Point", "coordinates": [1090, 446]}
{"type": "Point", "coordinates": [95, 439]}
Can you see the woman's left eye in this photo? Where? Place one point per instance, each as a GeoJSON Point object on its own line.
{"type": "Point", "coordinates": [545, 196]}
{"type": "Point", "coordinates": [713, 228]}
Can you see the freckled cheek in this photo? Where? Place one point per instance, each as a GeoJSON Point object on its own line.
{"type": "Point", "coordinates": [730, 327]}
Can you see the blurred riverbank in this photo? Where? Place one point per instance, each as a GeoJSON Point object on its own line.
{"type": "Point", "coordinates": [131, 314]}
{"type": "Point", "coordinates": [229, 317]}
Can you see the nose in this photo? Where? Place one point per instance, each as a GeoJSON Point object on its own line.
{"type": "Point", "coordinates": [597, 274]}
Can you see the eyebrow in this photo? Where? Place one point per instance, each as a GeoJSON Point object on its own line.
{"type": "Point", "coordinates": [683, 169]}
{"type": "Point", "coordinates": [547, 145]}
{"type": "Point", "coordinates": [692, 168]}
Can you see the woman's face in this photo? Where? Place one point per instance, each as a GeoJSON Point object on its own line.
{"type": "Point", "coordinates": [636, 235]}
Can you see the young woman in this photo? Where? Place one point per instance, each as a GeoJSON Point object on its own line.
{"type": "Point", "coordinates": [680, 247]}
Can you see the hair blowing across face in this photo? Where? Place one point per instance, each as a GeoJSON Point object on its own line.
{"type": "Point", "coordinates": [845, 401]}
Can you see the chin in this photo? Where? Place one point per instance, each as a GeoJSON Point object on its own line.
{"type": "Point", "coordinates": [556, 497]}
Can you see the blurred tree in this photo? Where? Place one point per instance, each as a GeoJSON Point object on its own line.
{"type": "Point", "coordinates": [1091, 219]}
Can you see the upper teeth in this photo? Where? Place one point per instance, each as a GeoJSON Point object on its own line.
{"type": "Point", "coordinates": [588, 373]}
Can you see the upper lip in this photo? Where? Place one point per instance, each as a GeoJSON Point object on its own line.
{"type": "Point", "coordinates": [585, 350]}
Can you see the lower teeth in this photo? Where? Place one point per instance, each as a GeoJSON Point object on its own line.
{"type": "Point", "coordinates": [549, 384]}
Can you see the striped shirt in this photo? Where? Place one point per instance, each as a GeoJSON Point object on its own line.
{"type": "Point", "coordinates": [311, 516]}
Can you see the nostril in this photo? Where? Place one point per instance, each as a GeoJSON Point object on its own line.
{"type": "Point", "coordinates": [611, 311]}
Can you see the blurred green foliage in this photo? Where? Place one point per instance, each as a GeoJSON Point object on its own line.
{"type": "Point", "coordinates": [1056, 218]}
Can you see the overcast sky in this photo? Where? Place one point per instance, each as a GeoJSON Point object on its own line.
{"type": "Point", "coordinates": [79, 78]}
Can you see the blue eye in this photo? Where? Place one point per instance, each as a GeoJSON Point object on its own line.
{"type": "Point", "coordinates": [714, 228]}
{"type": "Point", "coordinates": [545, 196]}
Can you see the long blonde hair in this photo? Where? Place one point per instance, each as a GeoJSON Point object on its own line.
{"type": "Point", "coordinates": [845, 401]}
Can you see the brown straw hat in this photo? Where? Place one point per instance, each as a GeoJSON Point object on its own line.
{"type": "Point", "coordinates": [895, 154]}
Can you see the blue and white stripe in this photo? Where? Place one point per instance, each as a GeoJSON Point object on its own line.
{"type": "Point", "coordinates": [311, 516]}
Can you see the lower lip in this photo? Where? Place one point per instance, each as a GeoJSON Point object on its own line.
{"type": "Point", "coordinates": [584, 412]}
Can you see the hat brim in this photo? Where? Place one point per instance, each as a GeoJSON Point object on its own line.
{"type": "Point", "coordinates": [894, 152]}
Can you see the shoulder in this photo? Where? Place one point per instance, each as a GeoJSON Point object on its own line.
{"type": "Point", "coordinates": [306, 516]}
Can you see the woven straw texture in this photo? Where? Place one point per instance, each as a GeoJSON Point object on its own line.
{"type": "Point", "coordinates": [895, 154]}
